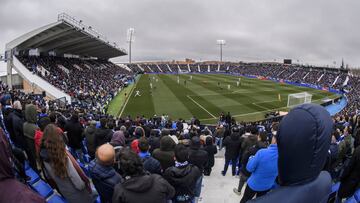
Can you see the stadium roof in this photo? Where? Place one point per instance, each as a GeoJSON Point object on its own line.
{"type": "Point", "coordinates": [67, 36]}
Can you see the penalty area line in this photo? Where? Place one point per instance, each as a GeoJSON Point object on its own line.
{"type": "Point", "coordinates": [200, 106]}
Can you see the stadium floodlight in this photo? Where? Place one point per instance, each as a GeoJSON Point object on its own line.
{"type": "Point", "coordinates": [298, 98]}
{"type": "Point", "coordinates": [221, 43]}
{"type": "Point", "coordinates": [130, 39]}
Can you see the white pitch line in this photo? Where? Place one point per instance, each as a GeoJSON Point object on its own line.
{"type": "Point", "coordinates": [201, 106]}
{"type": "Point", "coordinates": [128, 98]}
{"type": "Point", "coordinates": [259, 106]}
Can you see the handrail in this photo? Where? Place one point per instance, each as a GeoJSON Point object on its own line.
{"type": "Point", "coordinates": [90, 30]}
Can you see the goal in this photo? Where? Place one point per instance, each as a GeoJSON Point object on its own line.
{"type": "Point", "coordinates": [298, 98]}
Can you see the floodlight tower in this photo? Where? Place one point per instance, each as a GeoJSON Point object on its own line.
{"type": "Point", "coordinates": [221, 43]}
{"type": "Point", "coordinates": [130, 39]}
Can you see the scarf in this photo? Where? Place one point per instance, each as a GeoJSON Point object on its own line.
{"type": "Point", "coordinates": [181, 164]}
{"type": "Point", "coordinates": [80, 172]}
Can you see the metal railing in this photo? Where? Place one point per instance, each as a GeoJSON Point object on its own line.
{"type": "Point", "coordinates": [90, 30]}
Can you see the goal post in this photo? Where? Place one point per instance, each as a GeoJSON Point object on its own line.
{"type": "Point", "coordinates": [299, 98]}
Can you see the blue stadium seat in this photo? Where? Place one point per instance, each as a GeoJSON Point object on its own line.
{"type": "Point", "coordinates": [85, 168]}
{"type": "Point", "coordinates": [55, 198]}
{"type": "Point", "coordinates": [335, 187]}
{"type": "Point", "coordinates": [26, 165]}
{"type": "Point", "coordinates": [351, 200]}
{"type": "Point", "coordinates": [98, 200]}
{"type": "Point", "coordinates": [33, 175]}
{"type": "Point", "coordinates": [43, 188]}
{"type": "Point", "coordinates": [86, 158]}
{"type": "Point", "coordinates": [357, 195]}
{"type": "Point", "coordinates": [83, 147]}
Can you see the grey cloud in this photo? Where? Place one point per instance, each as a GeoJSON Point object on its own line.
{"type": "Point", "coordinates": [316, 32]}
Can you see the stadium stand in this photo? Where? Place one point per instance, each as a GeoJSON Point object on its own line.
{"type": "Point", "coordinates": [92, 81]}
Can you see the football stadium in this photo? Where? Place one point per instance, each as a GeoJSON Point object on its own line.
{"type": "Point", "coordinates": [263, 114]}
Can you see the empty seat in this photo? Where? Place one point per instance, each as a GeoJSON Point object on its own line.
{"type": "Point", "coordinates": [33, 175]}
{"type": "Point", "coordinates": [43, 188]}
{"type": "Point", "coordinates": [55, 198]}
{"type": "Point", "coordinates": [86, 158]}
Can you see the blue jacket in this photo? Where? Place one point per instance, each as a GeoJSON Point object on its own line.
{"type": "Point", "coordinates": [104, 178]}
{"type": "Point", "coordinates": [263, 168]}
{"type": "Point", "coordinates": [303, 141]}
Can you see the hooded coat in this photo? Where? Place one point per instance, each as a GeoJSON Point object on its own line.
{"type": "Point", "coordinates": [31, 119]}
{"type": "Point", "coordinates": [89, 134]}
{"type": "Point", "coordinates": [104, 178]}
{"type": "Point", "coordinates": [183, 179]}
{"type": "Point", "coordinates": [16, 120]}
{"type": "Point", "coordinates": [303, 140]}
{"type": "Point", "coordinates": [211, 149]}
{"type": "Point", "coordinates": [74, 133]}
{"type": "Point", "coordinates": [11, 190]}
{"type": "Point", "coordinates": [165, 154]}
{"type": "Point", "coordinates": [232, 145]}
{"type": "Point", "coordinates": [145, 188]}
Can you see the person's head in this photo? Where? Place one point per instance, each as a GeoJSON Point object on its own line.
{"type": "Point", "coordinates": [17, 105]}
{"type": "Point", "coordinates": [209, 141]}
{"type": "Point", "coordinates": [43, 122]}
{"type": "Point", "coordinates": [262, 136]}
{"type": "Point", "coordinates": [303, 140]}
{"type": "Point", "coordinates": [5, 100]}
{"type": "Point", "coordinates": [195, 142]}
{"type": "Point", "coordinates": [139, 132]}
{"type": "Point", "coordinates": [55, 146]}
{"type": "Point", "coordinates": [103, 122]}
{"type": "Point", "coordinates": [74, 117]}
{"type": "Point", "coordinates": [130, 162]}
{"type": "Point", "coordinates": [105, 154]}
{"type": "Point", "coordinates": [143, 145]}
{"type": "Point", "coordinates": [53, 117]}
{"type": "Point", "coordinates": [181, 153]}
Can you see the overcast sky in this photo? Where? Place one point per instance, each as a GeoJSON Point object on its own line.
{"type": "Point", "coordinates": [316, 32]}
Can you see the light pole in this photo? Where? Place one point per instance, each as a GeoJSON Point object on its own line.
{"type": "Point", "coordinates": [221, 43]}
{"type": "Point", "coordinates": [130, 39]}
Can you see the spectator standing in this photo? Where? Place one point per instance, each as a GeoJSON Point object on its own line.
{"type": "Point", "coordinates": [263, 169]}
{"type": "Point", "coordinates": [29, 128]}
{"type": "Point", "coordinates": [74, 133]}
{"type": "Point", "coordinates": [150, 164]}
{"type": "Point", "coordinates": [89, 134]}
{"type": "Point", "coordinates": [232, 146]}
{"type": "Point", "coordinates": [61, 167]}
{"type": "Point", "coordinates": [183, 176]}
{"type": "Point", "coordinates": [211, 149]}
{"type": "Point", "coordinates": [139, 186]}
{"type": "Point", "coordinates": [103, 174]}
{"type": "Point", "coordinates": [199, 158]}
{"type": "Point", "coordinates": [165, 154]}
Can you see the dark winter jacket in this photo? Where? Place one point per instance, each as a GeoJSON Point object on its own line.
{"type": "Point", "coordinates": [89, 134]}
{"type": "Point", "coordinates": [211, 149]}
{"type": "Point", "coordinates": [350, 180]}
{"type": "Point", "coordinates": [183, 179]}
{"type": "Point", "coordinates": [102, 136]}
{"type": "Point", "coordinates": [150, 164]}
{"type": "Point", "coordinates": [198, 157]}
{"type": "Point", "coordinates": [303, 138]}
{"type": "Point", "coordinates": [154, 143]}
{"type": "Point", "coordinates": [17, 124]}
{"type": "Point", "coordinates": [165, 154]}
{"type": "Point", "coordinates": [232, 146]}
{"type": "Point", "coordinates": [145, 188]}
{"type": "Point", "coordinates": [104, 178]}
{"type": "Point", "coordinates": [74, 133]}
{"type": "Point", "coordinates": [30, 126]}
{"type": "Point", "coordinates": [250, 152]}
{"type": "Point", "coordinates": [11, 190]}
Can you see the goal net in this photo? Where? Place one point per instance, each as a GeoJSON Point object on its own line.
{"type": "Point", "coordinates": [298, 98]}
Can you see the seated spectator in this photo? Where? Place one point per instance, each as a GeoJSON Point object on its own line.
{"type": "Point", "coordinates": [165, 154]}
{"type": "Point", "coordinates": [62, 168]}
{"type": "Point", "coordinates": [103, 174]}
{"type": "Point", "coordinates": [89, 134]}
{"type": "Point", "coordinates": [150, 164]}
{"type": "Point", "coordinates": [11, 190]}
{"type": "Point", "coordinates": [263, 169]}
{"type": "Point", "coordinates": [139, 186]}
{"type": "Point", "coordinates": [43, 122]}
{"type": "Point", "coordinates": [183, 176]}
{"type": "Point", "coordinates": [211, 149]}
{"type": "Point", "coordinates": [303, 139]}
{"type": "Point", "coordinates": [351, 177]}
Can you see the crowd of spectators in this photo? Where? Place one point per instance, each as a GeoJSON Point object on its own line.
{"type": "Point", "coordinates": [160, 160]}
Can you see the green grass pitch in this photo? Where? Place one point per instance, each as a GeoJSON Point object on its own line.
{"type": "Point", "coordinates": [203, 97]}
